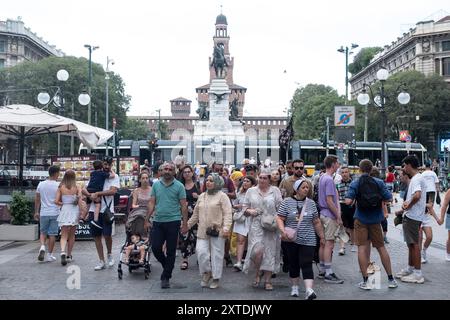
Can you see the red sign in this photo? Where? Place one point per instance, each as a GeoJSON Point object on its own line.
{"type": "Point", "coordinates": [405, 136]}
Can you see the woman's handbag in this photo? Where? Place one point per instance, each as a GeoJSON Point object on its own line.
{"type": "Point", "coordinates": [291, 233]}
{"type": "Point", "coordinates": [268, 221]}
{"type": "Point", "coordinates": [239, 216]}
{"type": "Point", "coordinates": [108, 216]}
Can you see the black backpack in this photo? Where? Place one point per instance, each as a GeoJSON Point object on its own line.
{"type": "Point", "coordinates": [368, 196]}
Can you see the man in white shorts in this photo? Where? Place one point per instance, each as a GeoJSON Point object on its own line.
{"type": "Point", "coordinates": [432, 192]}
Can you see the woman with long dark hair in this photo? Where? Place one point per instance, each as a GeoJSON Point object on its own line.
{"type": "Point", "coordinates": [241, 222]}
{"type": "Point", "coordinates": [188, 241]}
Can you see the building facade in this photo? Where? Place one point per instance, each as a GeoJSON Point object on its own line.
{"type": "Point", "coordinates": [180, 124]}
{"type": "Point", "coordinates": [19, 44]}
{"type": "Point", "coordinates": [425, 48]}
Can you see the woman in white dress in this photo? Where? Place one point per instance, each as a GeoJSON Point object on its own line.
{"type": "Point", "coordinates": [241, 224]}
{"type": "Point", "coordinates": [68, 197]}
{"type": "Point", "coordinates": [264, 245]}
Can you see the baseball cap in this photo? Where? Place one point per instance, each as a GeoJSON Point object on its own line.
{"type": "Point", "coordinates": [298, 183]}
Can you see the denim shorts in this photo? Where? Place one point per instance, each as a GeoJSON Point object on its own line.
{"type": "Point", "coordinates": [49, 225]}
{"type": "Point", "coordinates": [447, 221]}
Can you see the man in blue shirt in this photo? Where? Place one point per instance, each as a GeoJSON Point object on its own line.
{"type": "Point", "coordinates": [369, 194]}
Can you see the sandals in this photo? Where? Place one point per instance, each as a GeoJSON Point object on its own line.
{"type": "Point", "coordinates": [184, 265]}
{"type": "Point", "coordinates": [255, 283]}
{"type": "Point", "coordinates": [268, 286]}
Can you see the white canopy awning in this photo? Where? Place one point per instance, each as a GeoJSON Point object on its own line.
{"type": "Point", "coordinates": [24, 119]}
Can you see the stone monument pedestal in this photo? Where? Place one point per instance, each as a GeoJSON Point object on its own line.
{"type": "Point", "coordinates": [219, 138]}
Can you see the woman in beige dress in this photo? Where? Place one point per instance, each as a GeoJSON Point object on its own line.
{"type": "Point", "coordinates": [212, 212]}
{"type": "Point", "coordinates": [263, 251]}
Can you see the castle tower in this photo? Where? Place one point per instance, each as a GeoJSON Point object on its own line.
{"type": "Point", "coordinates": [237, 91]}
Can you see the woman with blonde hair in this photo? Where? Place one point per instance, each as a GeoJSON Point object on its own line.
{"type": "Point", "coordinates": [263, 252]}
{"type": "Point", "coordinates": [68, 197]}
{"type": "Point", "coordinates": [212, 212]}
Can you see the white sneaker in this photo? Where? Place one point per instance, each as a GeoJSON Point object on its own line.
{"type": "Point", "coordinates": [403, 273]}
{"type": "Point", "coordinates": [294, 291]}
{"type": "Point", "coordinates": [413, 278]}
{"type": "Point", "coordinates": [238, 266]}
{"type": "Point", "coordinates": [354, 248]}
{"type": "Point", "coordinates": [101, 265]}
{"type": "Point", "coordinates": [110, 261]}
{"type": "Point", "coordinates": [50, 257]}
{"type": "Point", "coordinates": [310, 294]}
{"type": "Point", "coordinates": [424, 257]}
{"type": "Point", "coordinates": [342, 251]}
{"type": "Point", "coordinates": [447, 257]}
{"type": "Point", "coordinates": [41, 253]}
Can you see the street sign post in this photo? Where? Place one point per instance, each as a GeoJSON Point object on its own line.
{"type": "Point", "coordinates": [344, 116]}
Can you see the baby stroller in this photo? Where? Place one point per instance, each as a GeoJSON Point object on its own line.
{"type": "Point", "coordinates": [135, 225]}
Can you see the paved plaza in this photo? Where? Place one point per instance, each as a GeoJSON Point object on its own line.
{"type": "Point", "coordinates": [22, 277]}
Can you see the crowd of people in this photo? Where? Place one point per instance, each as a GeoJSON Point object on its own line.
{"type": "Point", "coordinates": [282, 220]}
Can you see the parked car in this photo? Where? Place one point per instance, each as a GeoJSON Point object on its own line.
{"type": "Point", "coordinates": [122, 203]}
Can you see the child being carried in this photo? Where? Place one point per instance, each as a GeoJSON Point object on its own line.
{"type": "Point", "coordinates": [96, 182]}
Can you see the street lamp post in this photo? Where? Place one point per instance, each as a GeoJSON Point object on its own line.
{"type": "Point", "coordinates": [108, 61]}
{"type": "Point", "coordinates": [380, 102]}
{"type": "Point", "coordinates": [90, 48]}
{"type": "Point", "coordinates": [58, 99]}
{"type": "Point", "coordinates": [347, 51]}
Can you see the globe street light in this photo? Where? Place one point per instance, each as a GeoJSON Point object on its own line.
{"type": "Point", "coordinates": [58, 100]}
{"type": "Point", "coordinates": [346, 52]}
{"type": "Point", "coordinates": [380, 102]}
{"type": "Point", "coordinates": [90, 48]}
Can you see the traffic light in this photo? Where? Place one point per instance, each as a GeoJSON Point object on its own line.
{"type": "Point", "coordinates": [323, 139]}
{"type": "Point", "coordinates": [153, 144]}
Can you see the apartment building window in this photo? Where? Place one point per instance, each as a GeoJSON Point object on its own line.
{"type": "Point", "coordinates": [2, 63]}
{"type": "Point", "coordinates": [445, 46]}
{"type": "Point", "coordinates": [2, 46]}
{"type": "Point", "coordinates": [446, 67]}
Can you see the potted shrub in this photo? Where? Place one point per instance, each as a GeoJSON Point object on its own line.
{"type": "Point", "coordinates": [20, 228]}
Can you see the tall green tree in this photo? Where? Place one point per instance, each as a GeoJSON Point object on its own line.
{"type": "Point", "coordinates": [134, 129]}
{"type": "Point", "coordinates": [22, 83]}
{"type": "Point", "coordinates": [310, 106]}
{"type": "Point", "coordinates": [426, 114]}
{"type": "Point", "coordinates": [362, 59]}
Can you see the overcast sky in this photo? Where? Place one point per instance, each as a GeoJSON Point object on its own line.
{"type": "Point", "coordinates": [161, 48]}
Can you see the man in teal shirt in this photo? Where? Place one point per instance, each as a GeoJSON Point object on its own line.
{"type": "Point", "coordinates": [167, 205]}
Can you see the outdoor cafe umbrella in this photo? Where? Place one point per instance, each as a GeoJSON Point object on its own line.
{"type": "Point", "coordinates": [21, 121]}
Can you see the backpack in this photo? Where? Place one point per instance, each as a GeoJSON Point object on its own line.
{"type": "Point", "coordinates": [368, 196]}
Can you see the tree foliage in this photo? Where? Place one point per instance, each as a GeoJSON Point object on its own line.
{"type": "Point", "coordinates": [362, 59]}
{"type": "Point", "coordinates": [24, 81]}
{"type": "Point", "coordinates": [311, 105]}
{"type": "Point", "coordinates": [426, 114]}
{"type": "Point", "coordinates": [134, 129]}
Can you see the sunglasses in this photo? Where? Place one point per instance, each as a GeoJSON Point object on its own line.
{"type": "Point", "coordinates": [299, 168]}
